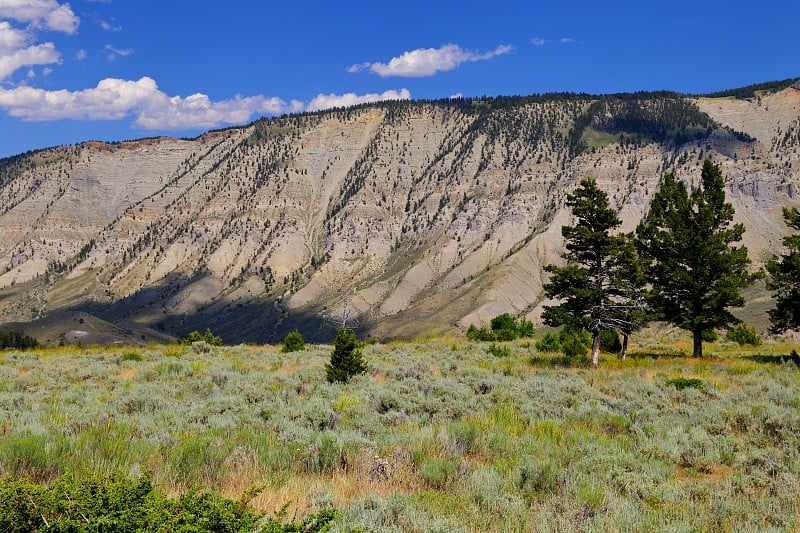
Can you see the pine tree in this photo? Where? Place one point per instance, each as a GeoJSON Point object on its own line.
{"type": "Point", "coordinates": [695, 272]}
{"type": "Point", "coordinates": [597, 285]}
{"type": "Point", "coordinates": [784, 279]}
{"type": "Point", "coordinates": [346, 358]}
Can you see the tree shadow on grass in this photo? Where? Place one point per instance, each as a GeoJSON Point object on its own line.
{"type": "Point", "coordinates": [794, 357]}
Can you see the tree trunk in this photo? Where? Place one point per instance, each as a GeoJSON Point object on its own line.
{"type": "Point", "coordinates": [596, 349]}
{"type": "Point", "coordinates": [697, 337]}
{"type": "Point", "coordinates": [624, 353]}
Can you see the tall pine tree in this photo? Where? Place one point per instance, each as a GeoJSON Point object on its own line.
{"type": "Point", "coordinates": [695, 272]}
{"type": "Point", "coordinates": [784, 278]}
{"type": "Point", "coordinates": [598, 286]}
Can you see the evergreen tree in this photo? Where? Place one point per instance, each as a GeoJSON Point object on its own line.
{"type": "Point", "coordinates": [695, 272]}
{"type": "Point", "coordinates": [346, 358]}
{"type": "Point", "coordinates": [596, 285]}
{"type": "Point", "coordinates": [784, 279]}
{"type": "Point", "coordinates": [293, 342]}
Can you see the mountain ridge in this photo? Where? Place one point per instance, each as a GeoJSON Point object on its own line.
{"type": "Point", "coordinates": [405, 218]}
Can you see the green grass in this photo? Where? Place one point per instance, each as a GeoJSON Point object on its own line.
{"type": "Point", "coordinates": [437, 436]}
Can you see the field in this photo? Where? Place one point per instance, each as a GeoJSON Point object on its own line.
{"type": "Point", "coordinates": [440, 435]}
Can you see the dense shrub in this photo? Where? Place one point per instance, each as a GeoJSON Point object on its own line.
{"type": "Point", "coordinates": [549, 342]}
{"type": "Point", "coordinates": [116, 503]}
{"type": "Point", "coordinates": [743, 335]}
{"type": "Point", "coordinates": [574, 345]}
{"type": "Point", "coordinates": [14, 338]}
{"type": "Point", "coordinates": [208, 337]}
{"type": "Point", "coordinates": [685, 383]}
{"type": "Point", "coordinates": [503, 328]}
{"type": "Point", "coordinates": [293, 342]}
{"type": "Point", "coordinates": [609, 341]}
{"type": "Point", "coordinates": [346, 358]}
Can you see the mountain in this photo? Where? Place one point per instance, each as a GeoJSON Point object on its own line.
{"type": "Point", "coordinates": [399, 218]}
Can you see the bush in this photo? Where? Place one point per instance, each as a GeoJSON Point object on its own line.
{"type": "Point", "coordinates": [208, 337]}
{"type": "Point", "coordinates": [743, 335]}
{"type": "Point", "coordinates": [293, 342]}
{"type": "Point", "coordinates": [609, 341]}
{"type": "Point", "coordinates": [498, 350]}
{"type": "Point", "coordinates": [503, 328]}
{"type": "Point", "coordinates": [685, 383]}
{"type": "Point", "coordinates": [549, 342]}
{"type": "Point", "coordinates": [710, 335]}
{"type": "Point", "coordinates": [130, 356]}
{"type": "Point", "coordinates": [346, 358]}
{"type": "Point", "coordinates": [575, 343]}
{"type": "Point", "coordinates": [14, 338]}
{"type": "Point", "coordinates": [116, 503]}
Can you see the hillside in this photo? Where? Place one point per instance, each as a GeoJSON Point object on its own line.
{"type": "Point", "coordinates": [406, 218]}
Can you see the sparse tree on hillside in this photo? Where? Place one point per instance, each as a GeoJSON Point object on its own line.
{"type": "Point", "coordinates": [784, 278]}
{"type": "Point", "coordinates": [598, 284]}
{"type": "Point", "coordinates": [695, 272]}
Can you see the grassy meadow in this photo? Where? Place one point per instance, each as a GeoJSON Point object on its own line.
{"type": "Point", "coordinates": [440, 435]}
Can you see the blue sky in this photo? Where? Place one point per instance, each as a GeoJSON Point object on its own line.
{"type": "Point", "coordinates": [123, 69]}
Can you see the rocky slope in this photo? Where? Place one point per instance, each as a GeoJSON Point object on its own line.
{"type": "Point", "coordinates": [402, 218]}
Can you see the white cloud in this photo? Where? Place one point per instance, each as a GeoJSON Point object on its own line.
{"type": "Point", "coordinates": [113, 53]}
{"type": "Point", "coordinates": [115, 99]}
{"type": "Point", "coordinates": [456, 96]}
{"type": "Point", "coordinates": [47, 14]}
{"type": "Point", "coordinates": [566, 40]}
{"type": "Point", "coordinates": [40, 54]}
{"type": "Point", "coordinates": [327, 101]}
{"type": "Point", "coordinates": [428, 61]}
{"type": "Point", "coordinates": [538, 41]}
{"type": "Point", "coordinates": [18, 47]}
{"type": "Point", "coordinates": [108, 26]}
{"type": "Point", "coordinates": [80, 55]}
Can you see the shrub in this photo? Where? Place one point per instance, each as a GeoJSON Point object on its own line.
{"type": "Point", "coordinates": [685, 383]}
{"type": "Point", "coordinates": [503, 328]}
{"type": "Point", "coordinates": [609, 341]}
{"type": "Point", "coordinates": [116, 503]}
{"type": "Point", "coordinates": [346, 358]}
{"type": "Point", "coordinates": [293, 342]}
{"type": "Point", "coordinates": [549, 342]}
{"type": "Point", "coordinates": [743, 335]}
{"type": "Point", "coordinates": [131, 356]}
{"type": "Point", "coordinates": [208, 337]}
{"type": "Point", "coordinates": [575, 343]}
{"type": "Point", "coordinates": [710, 335]}
{"type": "Point", "coordinates": [498, 350]}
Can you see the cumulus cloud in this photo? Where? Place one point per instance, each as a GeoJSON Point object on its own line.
{"type": "Point", "coordinates": [40, 54]}
{"type": "Point", "coordinates": [538, 41]}
{"type": "Point", "coordinates": [327, 101]}
{"type": "Point", "coordinates": [424, 62]}
{"type": "Point", "coordinates": [47, 14]}
{"type": "Point", "coordinates": [80, 55]}
{"type": "Point", "coordinates": [18, 47]}
{"type": "Point", "coordinates": [115, 99]}
{"type": "Point", "coordinates": [566, 40]}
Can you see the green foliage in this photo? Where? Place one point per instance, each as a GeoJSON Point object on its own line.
{"type": "Point", "coordinates": [208, 337]}
{"type": "Point", "coordinates": [346, 357]}
{"type": "Point", "coordinates": [14, 338]}
{"type": "Point", "coordinates": [130, 356]}
{"type": "Point", "coordinates": [685, 383]}
{"type": "Point", "coordinates": [576, 343]}
{"type": "Point", "coordinates": [600, 284]}
{"type": "Point", "coordinates": [784, 278]}
{"type": "Point", "coordinates": [549, 342]}
{"type": "Point", "coordinates": [498, 350]}
{"type": "Point", "coordinates": [609, 341]}
{"type": "Point", "coordinates": [694, 271]}
{"type": "Point", "coordinates": [743, 335]}
{"type": "Point", "coordinates": [293, 342]}
{"type": "Point", "coordinates": [750, 91]}
{"type": "Point", "coordinates": [117, 503]}
{"type": "Point", "coordinates": [503, 328]}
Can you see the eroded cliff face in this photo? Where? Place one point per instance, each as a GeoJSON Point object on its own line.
{"type": "Point", "coordinates": [407, 218]}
